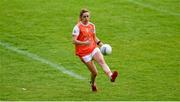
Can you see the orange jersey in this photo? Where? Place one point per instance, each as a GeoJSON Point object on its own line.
{"type": "Point", "coordinates": [83, 33]}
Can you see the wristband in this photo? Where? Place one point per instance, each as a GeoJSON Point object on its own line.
{"type": "Point", "coordinates": [98, 42]}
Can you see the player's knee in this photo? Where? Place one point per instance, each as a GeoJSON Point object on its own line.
{"type": "Point", "coordinates": [101, 62]}
{"type": "Point", "coordinates": [95, 73]}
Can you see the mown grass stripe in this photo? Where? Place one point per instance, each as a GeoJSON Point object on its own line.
{"type": "Point", "coordinates": [154, 8]}
{"type": "Point", "coordinates": [42, 60]}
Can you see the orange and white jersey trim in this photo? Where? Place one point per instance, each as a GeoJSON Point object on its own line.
{"type": "Point", "coordinates": [76, 30]}
{"type": "Point", "coordinates": [83, 33]}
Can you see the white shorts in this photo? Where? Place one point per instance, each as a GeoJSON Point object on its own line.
{"type": "Point", "coordinates": [89, 57]}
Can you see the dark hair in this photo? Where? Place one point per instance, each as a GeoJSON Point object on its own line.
{"type": "Point", "coordinates": [81, 13]}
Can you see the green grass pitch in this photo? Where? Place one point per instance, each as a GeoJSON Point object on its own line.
{"type": "Point", "coordinates": [144, 35]}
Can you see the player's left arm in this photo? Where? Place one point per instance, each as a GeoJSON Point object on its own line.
{"type": "Point", "coordinates": [98, 41]}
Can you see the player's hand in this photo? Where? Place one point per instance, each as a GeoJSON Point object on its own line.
{"type": "Point", "coordinates": [87, 42]}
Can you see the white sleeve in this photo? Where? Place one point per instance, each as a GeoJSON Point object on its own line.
{"type": "Point", "coordinates": [75, 31]}
{"type": "Point", "coordinates": [94, 29]}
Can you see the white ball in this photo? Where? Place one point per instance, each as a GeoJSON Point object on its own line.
{"type": "Point", "coordinates": [106, 49]}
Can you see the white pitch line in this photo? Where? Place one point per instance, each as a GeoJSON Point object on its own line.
{"type": "Point", "coordinates": [42, 60]}
{"type": "Point", "coordinates": [154, 8]}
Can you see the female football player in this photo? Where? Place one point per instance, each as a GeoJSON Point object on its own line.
{"type": "Point", "coordinates": [86, 47]}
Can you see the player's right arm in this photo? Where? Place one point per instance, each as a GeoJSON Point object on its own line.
{"type": "Point", "coordinates": [77, 42]}
{"type": "Point", "coordinates": [75, 34]}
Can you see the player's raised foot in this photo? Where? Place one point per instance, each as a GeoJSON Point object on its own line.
{"type": "Point", "coordinates": [113, 76]}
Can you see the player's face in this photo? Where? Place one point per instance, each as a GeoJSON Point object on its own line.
{"type": "Point", "coordinates": [85, 17]}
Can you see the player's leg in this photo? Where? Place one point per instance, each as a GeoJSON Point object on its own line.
{"type": "Point", "coordinates": [92, 68]}
{"type": "Point", "coordinates": [98, 57]}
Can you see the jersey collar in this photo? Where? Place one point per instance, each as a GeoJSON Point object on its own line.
{"type": "Point", "coordinates": [84, 24]}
